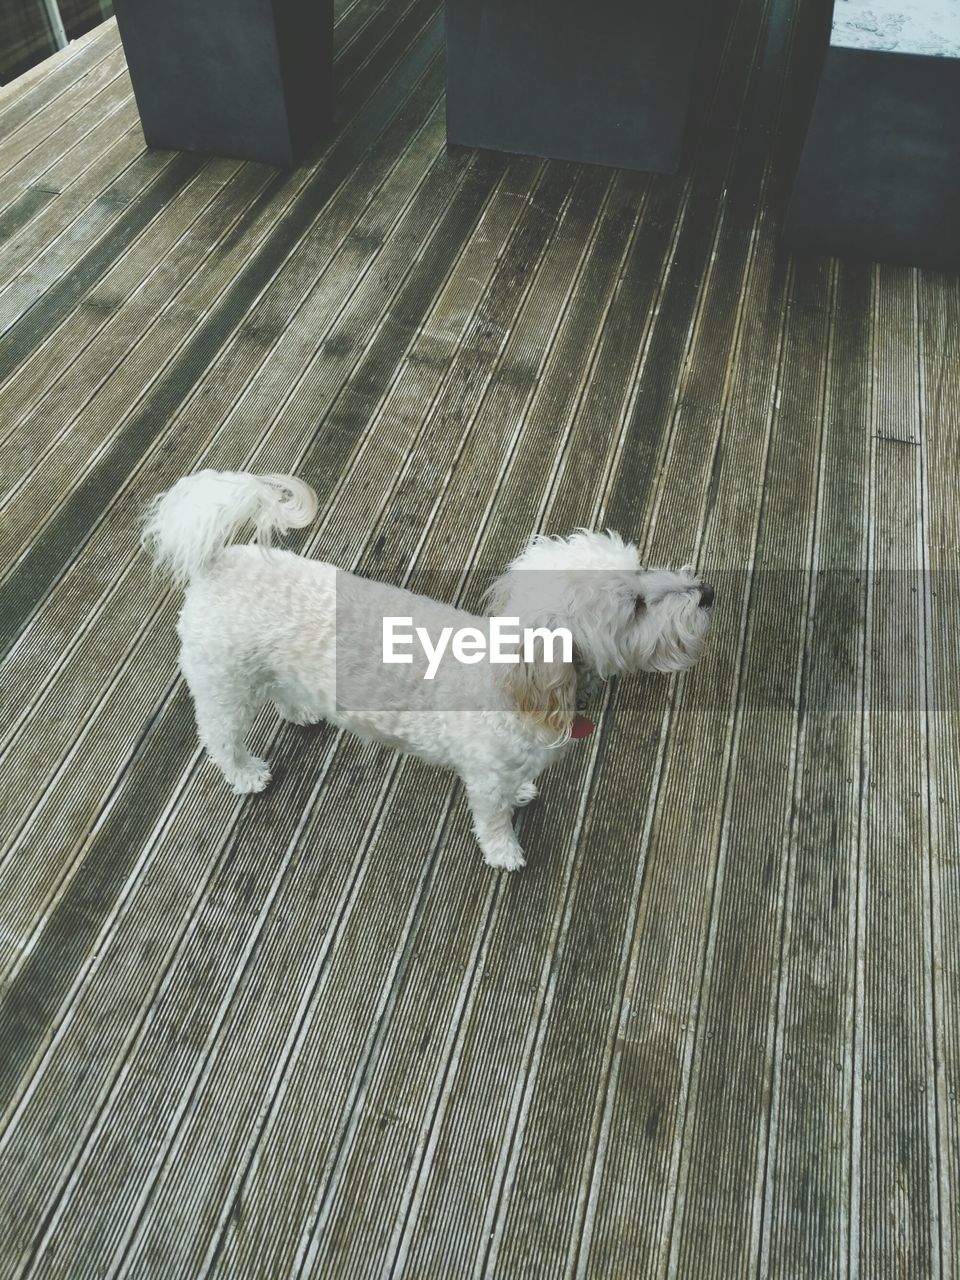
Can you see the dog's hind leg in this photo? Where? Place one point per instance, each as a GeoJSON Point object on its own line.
{"type": "Point", "coordinates": [526, 792]}
{"type": "Point", "coordinates": [493, 827]}
{"type": "Point", "coordinates": [222, 725]}
{"type": "Point", "coordinates": [226, 707]}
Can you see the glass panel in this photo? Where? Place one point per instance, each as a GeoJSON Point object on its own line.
{"type": "Point", "coordinates": [26, 37]}
{"type": "Point", "coordinates": [26, 34]}
{"type": "Point", "coordinates": [80, 15]}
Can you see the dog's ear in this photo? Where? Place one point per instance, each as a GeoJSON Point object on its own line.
{"type": "Point", "coordinates": [545, 692]}
{"type": "Point", "coordinates": [499, 596]}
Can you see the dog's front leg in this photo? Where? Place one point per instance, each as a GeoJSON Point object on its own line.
{"type": "Point", "coordinates": [493, 826]}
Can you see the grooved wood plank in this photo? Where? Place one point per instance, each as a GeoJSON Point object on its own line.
{"type": "Point", "coordinates": [895, 1195]}
{"type": "Point", "coordinates": [939, 313]}
{"type": "Point", "coordinates": [726, 1160]}
{"type": "Point", "coordinates": [39, 91]}
{"type": "Point", "coordinates": [43, 84]}
{"type": "Point", "coordinates": [807, 1193]}
{"type": "Point", "coordinates": [70, 186]}
{"type": "Point", "coordinates": [27, 154]}
{"type": "Point", "coordinates": [37, 300]}
{"type": "Point", "coordinates": [65, 370]}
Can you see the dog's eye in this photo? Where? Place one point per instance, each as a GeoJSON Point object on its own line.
{"type": "Point", "coordinates": [639, 604]}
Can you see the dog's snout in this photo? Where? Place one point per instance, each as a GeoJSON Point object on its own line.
{"type": "Point", "coordinates": [706, 595]}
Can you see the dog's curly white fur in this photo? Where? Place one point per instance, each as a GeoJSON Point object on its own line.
{"type": "Point", "coordinates": [262, 626]}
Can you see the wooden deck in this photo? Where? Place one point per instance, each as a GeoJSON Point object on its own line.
{"type": "Point", "coordinates": [712, 1031]}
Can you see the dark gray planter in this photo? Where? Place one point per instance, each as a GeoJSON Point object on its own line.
{"type": "Point", "coordinates": [601, 81]}
{"type": "Point", "coordinates": [245, 78]}
{"type": "Point", "coordinates": [879, 174]}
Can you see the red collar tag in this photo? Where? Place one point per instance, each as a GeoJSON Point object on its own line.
{"type": "Point", "coordinates": [582, 727]}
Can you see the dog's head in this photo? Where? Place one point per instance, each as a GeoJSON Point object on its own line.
{"type": "Point", "coordinates": [623, 618]}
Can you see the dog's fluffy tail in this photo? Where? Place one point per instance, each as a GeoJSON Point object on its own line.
{"type": "Point", "coordinates": [188, 526]}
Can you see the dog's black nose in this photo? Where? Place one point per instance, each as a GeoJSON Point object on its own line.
{"type": "Point", "coordinates": [706, 595]}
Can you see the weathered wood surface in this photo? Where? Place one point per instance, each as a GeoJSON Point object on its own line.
{"type": "Point", "coordinates": [712, 1030]}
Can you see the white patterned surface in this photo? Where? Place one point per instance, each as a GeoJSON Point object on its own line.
{"type": "Point", "coordinates": [898, 26]}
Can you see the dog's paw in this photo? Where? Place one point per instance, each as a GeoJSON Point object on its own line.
{"type": "Point", "coordinates": [252, 777]}
{"type": "Point", "coordinates": [509, 858]}
{"type": "Point", "coordinates": [526, 793]}
{"type": "Point", "coordinates": [294, 715]}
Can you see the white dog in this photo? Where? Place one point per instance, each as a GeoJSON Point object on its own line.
{"type": "Point", "coordinates": [261, 626]}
